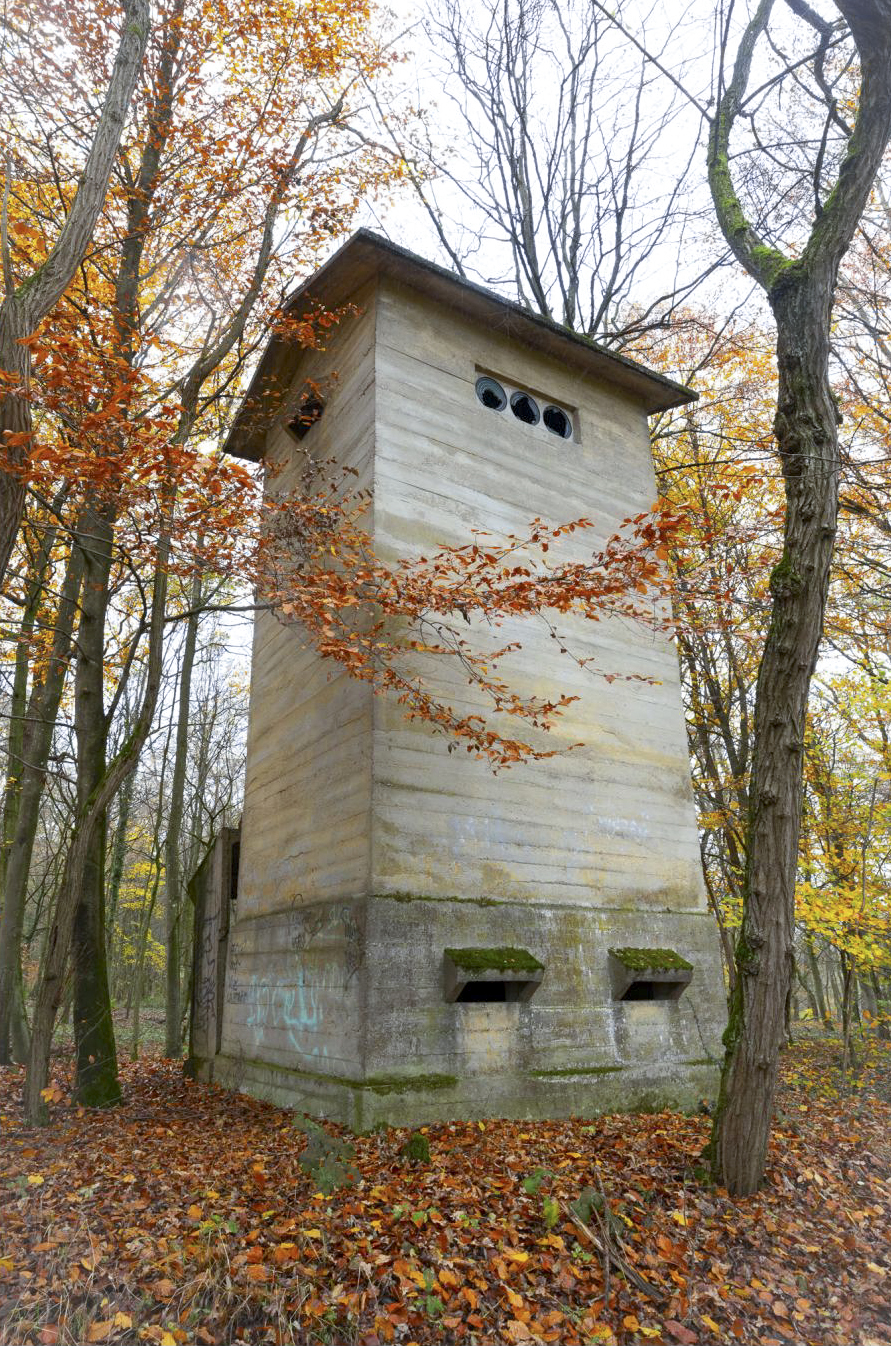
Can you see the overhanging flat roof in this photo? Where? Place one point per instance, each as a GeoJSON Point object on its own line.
{"type": "Point", "coordinates": [367, 255]}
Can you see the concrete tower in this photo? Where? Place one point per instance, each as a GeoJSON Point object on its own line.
{"type": "Point", "coordinates": [414, 938]}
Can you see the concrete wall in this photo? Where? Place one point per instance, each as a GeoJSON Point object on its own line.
{"type": "Point", "coordinates": [292, 989]}
{"type": "Point", "coordinates": [305, 832]}
{"type": "Point", "coordinates": [212, 893]}
{"type": "Point", "coordinates": [612, 823]}
{"type": "Point", "coordinates": [367, 848]}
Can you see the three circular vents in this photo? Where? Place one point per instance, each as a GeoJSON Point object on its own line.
{"type": "Point", "coordinates": [524, 407]}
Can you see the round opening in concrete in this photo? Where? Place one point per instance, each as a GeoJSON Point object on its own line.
{"type": "Point", "coordinates": [525, 408]}
{"type": "Point", "coordinates": [557, 422]}
{"type": "Point", "coordinates": [491, 394]}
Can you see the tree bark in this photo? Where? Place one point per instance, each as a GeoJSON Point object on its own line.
{"type": "Point", "coordinates": [96, 1071]}
{"type": "Point", "coordinates": [172, 859]}
{"type": "Point", "coordinates": [40, 720]}
{"type": "Point", "coordinates": [801, 294]}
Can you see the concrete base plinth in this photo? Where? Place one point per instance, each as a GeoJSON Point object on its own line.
{"type": "Point", "coordinates": [341, 1010]}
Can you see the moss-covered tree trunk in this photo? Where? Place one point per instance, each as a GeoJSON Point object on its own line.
{"type": "Point", "coordinates": [807, 440]}
{"type": "Point", "coordinates": [96, 1075]}
{"type": "Point", "coordinates": [801, 293]}
{"type": "Point", "coordinates": [87, 822]}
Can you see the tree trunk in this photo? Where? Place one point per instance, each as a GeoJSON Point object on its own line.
{"type": "Point", "coordinates": [816, 978]}
{"type": "Point", "coordinates": [801, 293]}
{"type": "Point", "coordinates": [726, 940]}
{"type": "Point", "coordinates": [40, 719]}
{"type": "Point", "coordinates": [52, 973]}
{"type": "Point", "coordinates": [13, 1018]}
{"type": "Point", "coordinates": [808, 989]}
{"type": "Point", "coordinates": [847, 973]}
{"type": "Point", "coordinates": [172, 876]}
{"type": "Point", "coordinates": [806, 429]}
{"type": "Point", "coordinates": [96, 1076]}
{"type": "Point", "coordinates": [116, 872]}
{"type": "Point", "coordinates": [142, 942]}
{"type": "Point", "coordinates": [881, 1021]}
{"type": "Point", "coordinates": [15, 426]}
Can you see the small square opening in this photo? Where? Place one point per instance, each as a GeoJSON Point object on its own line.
{"type": "Point", "coordinates": [489, 992]}
{"type": "Point", "coordinates": [310, 411]}
{"type": "Point", "coordinates": [644, 989]}
{"type": "Point", "coordinates": [648, 974]}
{"type": "Point", "coordinates": [490, 976]}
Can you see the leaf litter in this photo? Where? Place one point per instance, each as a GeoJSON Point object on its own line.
{"type": "Point", "coordinates": [185, 1216]}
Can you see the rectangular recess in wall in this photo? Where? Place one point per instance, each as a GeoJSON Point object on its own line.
{"type": "Point", "coordinates": [490, 976]}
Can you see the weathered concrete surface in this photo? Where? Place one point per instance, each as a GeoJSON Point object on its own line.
{"type": "Point", "coordinates": [367, 848]}
{"type": "Point", "coordinates": [339, 1009]}
{"type": "Point", "coordinates": [212, 893]}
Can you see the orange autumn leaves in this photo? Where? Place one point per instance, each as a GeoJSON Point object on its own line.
{"type": "Point", "coordinates": [317, 567]}
{"type": "Point", "coordinates": [187, 1211]}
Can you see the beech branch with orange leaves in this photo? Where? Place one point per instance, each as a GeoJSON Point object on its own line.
{"type": "Point", "coordinates": [317, 568]}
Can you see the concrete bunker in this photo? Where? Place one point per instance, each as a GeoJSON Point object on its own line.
{"type": "Point", "coordinates": [415, 939]}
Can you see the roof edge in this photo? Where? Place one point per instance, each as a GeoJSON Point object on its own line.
{"type": "Point", "coordinates": [369, 254]}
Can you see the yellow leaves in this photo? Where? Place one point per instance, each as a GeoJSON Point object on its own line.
{"type": "Point", "coordinates": [35, 1179]}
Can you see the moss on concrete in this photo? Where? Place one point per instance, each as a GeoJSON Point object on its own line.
{"type": "Point", "coordinates": [651, 960]}
{"type": "Point", "coordinates": [398, 1084]}
{"type": "Point", "coordinates": [379, 1084]}
{"type": "Point", "coordinates": [495, 960]}
{"type": "Point", "coordinates": [577, 1070]}
{"type": "Point", "coordinates": [425, 897]}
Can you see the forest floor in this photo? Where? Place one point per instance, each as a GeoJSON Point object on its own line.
{"type": "Point", "coordinates": [183, 1216]}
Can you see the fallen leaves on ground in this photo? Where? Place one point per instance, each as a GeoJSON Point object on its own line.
{"type": "Point", "coordinates": [183, 1216]}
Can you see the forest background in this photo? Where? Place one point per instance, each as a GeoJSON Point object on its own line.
{"type": "Point", "coordinates": [569, 159]}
